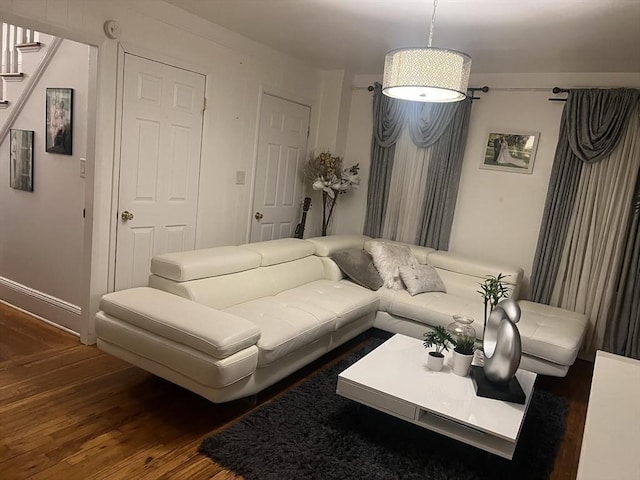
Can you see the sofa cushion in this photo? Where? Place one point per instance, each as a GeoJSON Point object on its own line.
{"type": "Point", "coordinates": [387, 257]}
{"type": "Point", "coordinates": [347, 302]}
{"type": "Point", "coordinates": [358, 265]}
{"type": "Point", "coordinates": [285, 325]}
{"type": "Point", "coordinates": [435, 308]}
{"type": "Point", "coordinates": [421, 279]}
{"type": "Point", "coordinates": [207, 262]}
{"type": "Point", "coordinates": [284, 276]}
{"type": "Point", "coordinates": [202, 328]}
{"type": "Point", "coordinates": [551, 333]}
{"type": "Point", "coordinates": [281, 250]}
{"type": "Point", "coordinates": [220, 291]}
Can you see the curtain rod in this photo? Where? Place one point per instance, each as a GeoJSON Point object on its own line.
{"type": "Point", "coordinates": [484, 89]}
{"type": "Point", "coordinates": [557, 90]}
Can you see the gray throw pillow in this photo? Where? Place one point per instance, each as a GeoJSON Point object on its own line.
{"type": "Point", "coordinates": [421, 279]}
{"type": "Point", "coordinates": [357, 264]}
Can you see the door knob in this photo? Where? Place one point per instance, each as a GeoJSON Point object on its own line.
{"type": "Point", "coordinates": [258, 216]}
{"type": "Point", "coordinates": [126, 216]}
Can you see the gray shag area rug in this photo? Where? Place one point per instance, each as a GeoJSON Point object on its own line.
{"type": "Point", "coordinates": [311, 433]}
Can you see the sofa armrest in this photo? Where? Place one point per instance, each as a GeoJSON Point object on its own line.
{"type": "Point", "coordinates": [205, 329]}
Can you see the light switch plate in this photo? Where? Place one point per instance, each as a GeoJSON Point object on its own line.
{"type": "Point", "coordinates": [241, 176]}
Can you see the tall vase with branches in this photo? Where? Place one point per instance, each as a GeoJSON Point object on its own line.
{"type": "Point", "coordinates": [325, 172]}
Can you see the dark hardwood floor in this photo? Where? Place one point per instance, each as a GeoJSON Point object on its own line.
{"type": "Point", "coordinates": [69, 411]}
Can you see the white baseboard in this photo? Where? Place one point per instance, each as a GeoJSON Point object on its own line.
{"type": "Point", "coordinates": [40, 305]}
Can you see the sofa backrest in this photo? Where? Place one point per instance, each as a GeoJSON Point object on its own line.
{"type": "Point", "coordinates": [224, 276]}
{"type": "Point", "coordinates": [462, 275]}
{"type": "Point", "coordinates": [421, 253]}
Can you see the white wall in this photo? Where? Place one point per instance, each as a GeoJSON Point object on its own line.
{"type": "Point", "coordinates": [237, 71]}
{"type": "Point", "coordinates": [331, 135]}
{"type": "Point", "coordinates": [349, 215]}
{"type": "Point", "coordinates": [498, 214]}
{"type": "Point", "coordinates": [42, 231]}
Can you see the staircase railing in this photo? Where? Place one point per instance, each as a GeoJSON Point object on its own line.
{"type": "Point", "coordinates": [34, 76]}
{"type": "Point", "coordinates": [12, 40]}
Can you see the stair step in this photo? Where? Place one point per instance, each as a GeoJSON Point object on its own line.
{"type": "Point", "coordinates": [29, 47]}
{"type": "Point", "coordinates": [12, 77]}
{"type": "Point", "coordinates": [4, 103]}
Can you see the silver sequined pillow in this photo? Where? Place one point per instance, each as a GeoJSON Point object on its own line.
{"type": "Point", "coordinates": [421, 279]}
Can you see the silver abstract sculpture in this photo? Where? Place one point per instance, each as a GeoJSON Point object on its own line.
{"type": "Point", "coordinates": [501, 343]}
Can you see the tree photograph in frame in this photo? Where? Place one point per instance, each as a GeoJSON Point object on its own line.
{"type": "Point", "coordinates": [59, 122]}
{"type": "Point", "coordinates": [510, 151]}
{"type": "Point", "coordinates": [21, 159]}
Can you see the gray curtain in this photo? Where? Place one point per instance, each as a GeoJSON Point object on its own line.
{"type": "Point", "coordinates": [388, 119]}
{"type": "Point", "coordinates": [623, 333]}
{"type": "Point", "coordinates": [591, 125]}
{"type": "Point", "coordinates": [444, 178]}
{"type": "Point", "coordinates": [442, 125]}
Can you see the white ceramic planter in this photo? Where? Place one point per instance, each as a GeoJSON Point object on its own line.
{"type": "Point", "coordinates": [434, 362]}
{"type": "Point", "coordinates": [461, 364]}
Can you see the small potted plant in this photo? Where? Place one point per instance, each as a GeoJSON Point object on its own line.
{"type": "Point", "coordinates": [440, 338]}
{"type": "Point", "coordinates": [463, 355]}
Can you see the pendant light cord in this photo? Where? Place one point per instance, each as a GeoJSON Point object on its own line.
{"type": "Point", "coordinates": [433, 21]}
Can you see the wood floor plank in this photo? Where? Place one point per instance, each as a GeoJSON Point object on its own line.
{"type": "Point", "coordinates": [70, 412]}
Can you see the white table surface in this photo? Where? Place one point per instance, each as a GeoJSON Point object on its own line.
{"type": "Point", "coordinates": [398, 371]}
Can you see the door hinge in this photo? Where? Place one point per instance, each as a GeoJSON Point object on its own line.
{"type": "Point", "coordinates": [308, 132]}
{"type": "Point", "coordinates": [204, 104]}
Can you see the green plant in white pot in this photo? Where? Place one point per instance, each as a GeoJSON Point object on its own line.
{"type": "Point", "coordinates": [463, 352]}
{"type": "Point", "coordinates": [440, 339]}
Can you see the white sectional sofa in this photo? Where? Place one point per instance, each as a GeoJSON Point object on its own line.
{"type": "Point", "coordinates": [228, 322]}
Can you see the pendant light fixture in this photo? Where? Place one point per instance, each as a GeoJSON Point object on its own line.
{"type": "Point", "coordinates": [426, 74]}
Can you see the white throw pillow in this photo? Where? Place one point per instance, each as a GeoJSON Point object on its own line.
{"type": "Point", "coordinates": [421, 279]}
{"type": "Point", "coordinates": [387, 257]}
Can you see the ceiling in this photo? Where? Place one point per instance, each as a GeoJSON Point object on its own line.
{"type": "Point", "coordinates": [502, 36]}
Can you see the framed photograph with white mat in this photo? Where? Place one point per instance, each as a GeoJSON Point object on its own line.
{"type": "Point", "coordinates": [510, 151]}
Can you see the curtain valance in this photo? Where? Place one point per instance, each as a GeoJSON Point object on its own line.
{"type": "Point", "coordinates": [596, 118]}
{"type": "Point", "coordinates": [426, 121]}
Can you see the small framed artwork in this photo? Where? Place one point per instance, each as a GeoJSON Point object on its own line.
{"type": "Point", "coordinates": [21, 159]}
{"type": "Point", "coordinates": [510, 151]}
{"type": "Point", "coordinates": [59, 131]}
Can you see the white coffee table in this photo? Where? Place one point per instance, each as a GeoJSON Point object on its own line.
{"type": "Point", "coordinates": [394, 379]}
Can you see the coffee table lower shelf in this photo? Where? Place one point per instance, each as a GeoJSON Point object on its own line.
{"type": "Point", "coordinates": [429, 420]}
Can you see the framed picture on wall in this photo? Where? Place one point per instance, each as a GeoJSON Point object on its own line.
{"type": "Point", "coordinates": [59, 131]}
{"type": "Point", "coordinates": [510, 151]}
{"type": "Point", "coordinates": [21, 159]}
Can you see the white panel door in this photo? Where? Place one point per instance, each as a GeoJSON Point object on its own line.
{"type": "Point", "coordinates": [159, 165]}
{"type": "Point", "coordinates": [282, 146]}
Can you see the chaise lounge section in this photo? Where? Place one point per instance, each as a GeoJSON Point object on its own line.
{"type": "Point", "coordinates": [228, 322]}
